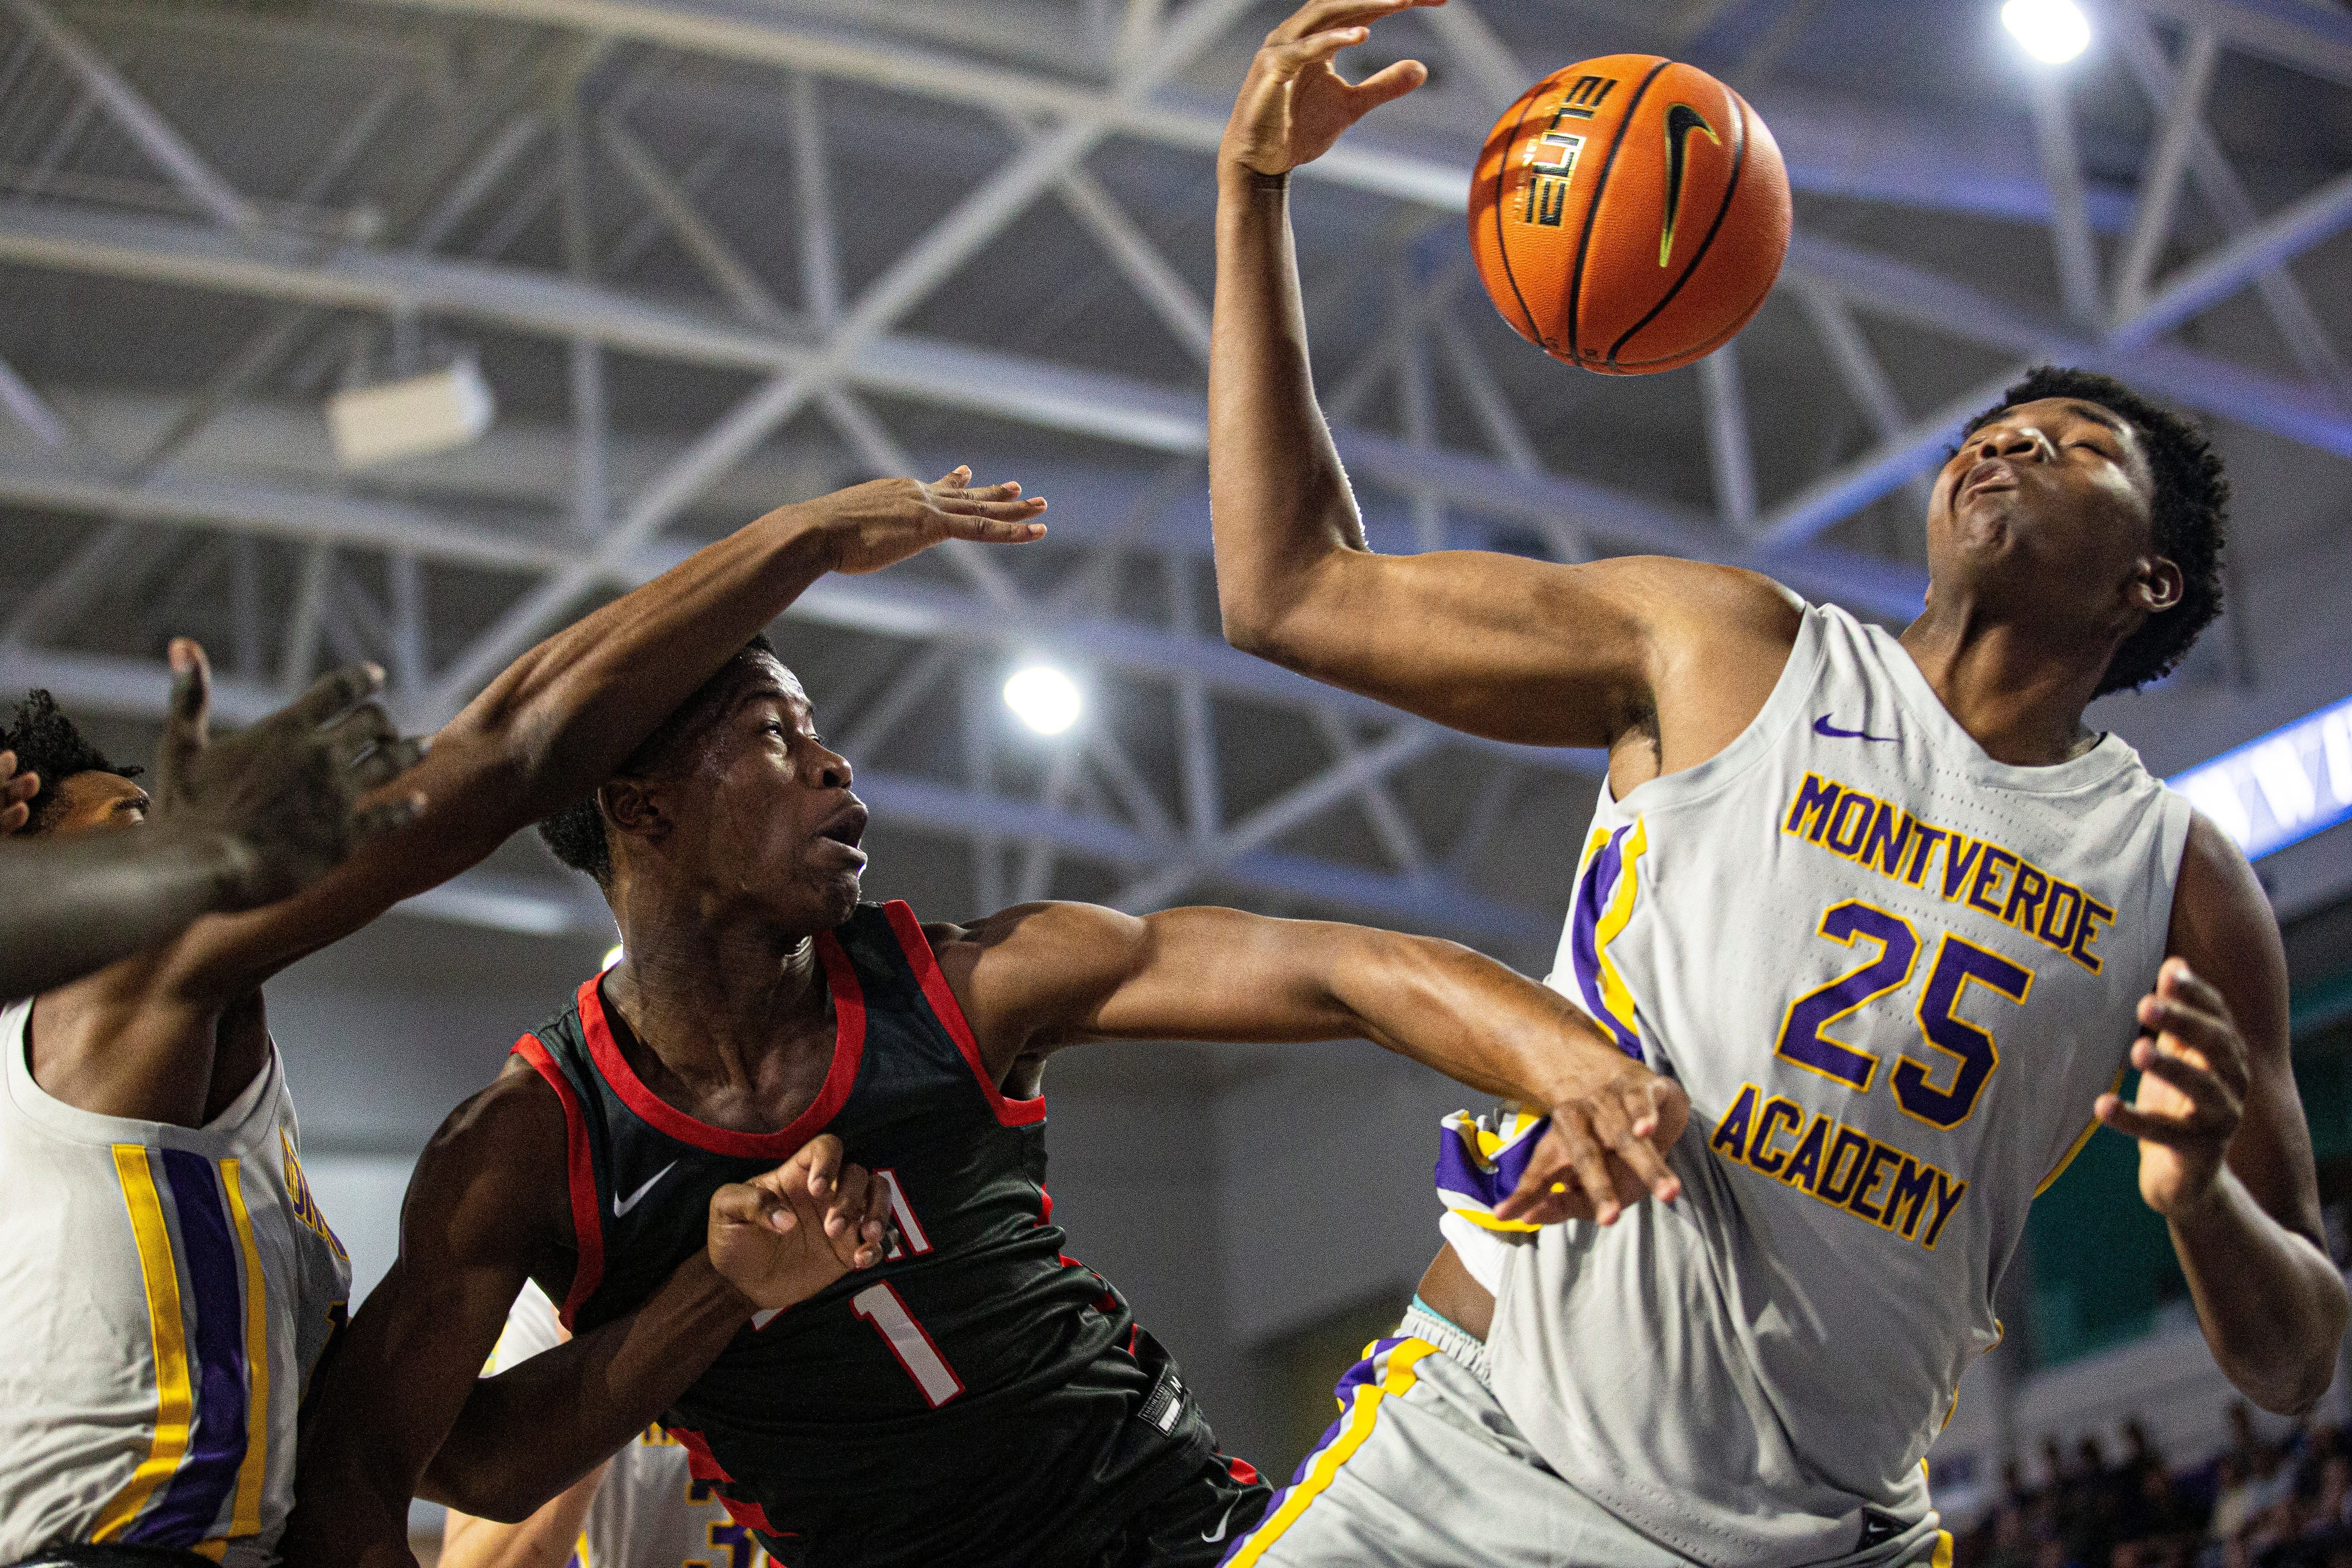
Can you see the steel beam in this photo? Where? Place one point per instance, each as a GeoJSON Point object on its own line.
{"type": "Point", "coordinates": [2213, 277]}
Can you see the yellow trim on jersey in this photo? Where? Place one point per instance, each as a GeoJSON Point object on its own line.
{"type": "Point", "coordinates": [1616, 999]}
{"type": "Point", "coordinates": [174, 1405]}
{"type": "Point", "coordinates": [1942, 1558]}
{"type": "Point", "coordinates": [212, 1550]}
{"type": "Point", "coordinates": [580, 1550]}
{"type": "Point", "coordinates": [1324, 1466]}
{"type": "Point", "coordinates": [2067, 1159]}
{"type": "Point", "coordinates": [255, 1471]}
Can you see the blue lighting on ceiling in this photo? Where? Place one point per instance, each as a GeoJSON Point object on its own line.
{"type": "Point", "coordinates": [2281, 787]}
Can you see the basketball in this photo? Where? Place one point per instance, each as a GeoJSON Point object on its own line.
{"type": "Point", "coordinates": [1629, 214]}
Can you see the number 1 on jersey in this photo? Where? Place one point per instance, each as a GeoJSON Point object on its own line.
{"type": "Point", "coordinates": [880, 1305]}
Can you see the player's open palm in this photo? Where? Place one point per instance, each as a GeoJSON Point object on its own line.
{"type": "Point", "coordinates": [882, 521]}
{"type": "Point", "coordinates": [783, 1236]}
{"type": "Point", "coordinates": [1295, 103]}
{"type": "Point", "coordinates": [2192, 1090]}
{"type": "Point", "coordinates": [285, 791]}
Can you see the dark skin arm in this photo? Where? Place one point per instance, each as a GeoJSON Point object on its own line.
{"type": "Point", "coordinates": [2224, 1150]}
{"type": "Point", "coordinates": [170, 1035]}
{"type": "Point", "coordinates": [1038, 978]}
{"type": "Point", "coordinates": [1660, 661]}
{"type": "Point", "coordinates": [487, 1207]}
{"type": "Point", "coordinates": [232, 824]}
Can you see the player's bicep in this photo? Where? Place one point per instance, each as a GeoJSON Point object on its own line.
{"type": "Point", "coordinates": [468, 1232]}
{"type": "Point", "coordinates": [1500, 646]}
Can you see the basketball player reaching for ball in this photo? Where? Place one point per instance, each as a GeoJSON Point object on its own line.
{"type": "Point", "coordinates": [640, 1509]}
{"type": "Point", "coordinates": [980, 1398]}
{"type": "Point", "coordinates": [1881, 905]}
{"type": "Point", "coordinates": [167, 1282]}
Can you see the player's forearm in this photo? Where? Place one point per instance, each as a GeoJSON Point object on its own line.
{"type": "Point", "coordinates": [1278, 500]}
{"type": "Point", "coordinates": [545, 1539]}
{"type": "Point", "coordinates": [563, 716]}
{"type": "Point", "coordinates": [71, 906]}
{"type": "Point", "coordinates": [1461, 1013]}
{"type": "Point", "coordinates": [536, 1428]}
{"type": "Point", "coordinates": [2272, 1305]}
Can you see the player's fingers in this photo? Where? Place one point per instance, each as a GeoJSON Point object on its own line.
{"type": "Point", "coordinates": [392, 813]}
{"type": "Point", "coordinates": [20, 786]}
{"type": "Point", "coordinates": [191, 704]}
{"type": "Point", "coordinates": [360, 731]}
{"type": "Point", "coordinates": [2203, 1087]}
{"type": "Point", "coordinates": [333, 692]}
{"type": "Point", "coordinates": [994, 530]}
{"type": "Point", "coordinates": [389, 761]}
{"type": "Point", "coordinates": [1325, 14]}
{"type": "Point", "coordinates": [1642, 1156]}
{"type": "Point", "coordinates": [748, 1204]}
{"type": "Point", "coordinates": [825, 1158]}
{"type": "Point", "coordinates": [1585, 1162]}
{"type": "Point", "coordinates": [2179, 1026]}
{"type": "Point", "coordinates": [1003, 489]}
{"type": "Point", "coordinates": [975, 505]}
{"type": "Point", "coordinates": [1293, 60]}
{"type": "Point", "coordinates": [2176, 978]}
{"type": "Point", "coordinates": [13, 818]}
{"type": "Point", "coordinates": [852, 1195]}
{"type": "Point", "coordinates": [955, 479]}
{"type": "Point", "coordinates": [1388, 83]}
{"type": "Point", "coordinates": [2143, 1125]}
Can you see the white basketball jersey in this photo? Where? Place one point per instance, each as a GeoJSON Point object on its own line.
{"type": "Point", "coordinates": [164, 1292]}
{"type": "Point", "coordinates": [648, 1512]}
{"type": "Point", "coordinates": [1892, 974]}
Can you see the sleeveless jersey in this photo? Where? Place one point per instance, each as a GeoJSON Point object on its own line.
{"type": "Point", "coordinates": [1893, 974]}
{"type": "Point", "coordinates": [649, 1511]}
{"type": "Point", "coordinates": [165, 1293]}
{"type": "Point", "coordinates": [976, 1398]}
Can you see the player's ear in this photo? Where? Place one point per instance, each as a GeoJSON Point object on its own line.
{"type": "Point", "coordinates": [634, 806]}
{"type": "Point", "coordinates": [2155, 585]}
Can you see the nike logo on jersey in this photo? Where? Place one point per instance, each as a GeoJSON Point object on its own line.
{"type": "Point", "coordinates": [1213, 1536]}
{"type": "Point", "coordinates": [622, 1205]}
{"type": "Point", "coordinates": [1822, 726]}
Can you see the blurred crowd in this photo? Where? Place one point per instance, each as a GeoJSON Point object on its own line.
{"type": "Point", "coordinates": [2253, 1504]}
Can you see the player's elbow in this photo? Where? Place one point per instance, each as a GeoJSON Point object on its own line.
{"type": "Point", "coordinates": [481, 1486]}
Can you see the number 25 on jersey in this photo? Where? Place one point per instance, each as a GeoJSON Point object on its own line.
{"type": "Point", "coordinates": [1968, 1050]}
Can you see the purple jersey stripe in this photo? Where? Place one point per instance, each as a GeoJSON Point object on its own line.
{"type": "Point", "coordinates": [209, 1254]}
{"type": "Point", "coordinates": [1583, 951]}
{"type": "Point", "coordinates": [1458, 1171]}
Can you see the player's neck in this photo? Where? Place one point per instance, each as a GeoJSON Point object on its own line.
{"type": "Point", "coordinates": [713, 999]}
{"type": "Point", "coordinates": [2021, 695]}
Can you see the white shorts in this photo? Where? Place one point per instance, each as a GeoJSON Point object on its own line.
{"type": "Point", "coordinates": [1423, 1469]}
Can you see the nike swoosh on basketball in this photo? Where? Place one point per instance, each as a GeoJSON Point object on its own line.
{"type": "Point", "coordinates": [1222, 1520]}
{"type": "Point", "coordinates": [1822, 726]}
{"type": "Point", "coordinates": [623, 1206]}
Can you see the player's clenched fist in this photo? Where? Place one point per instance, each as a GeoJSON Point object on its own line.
{"type": "Point", "coordinates": [782, 1238]}
{"type": "Point", "coordinates": [1294, 103]}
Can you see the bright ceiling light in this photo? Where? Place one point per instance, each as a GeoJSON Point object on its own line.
{"type": "Point", "coordinates": [612, 957]}
{"type": "Point", "coordinates": [1045, 699]}
{"type": "Point", "coordinates": [2052, 31]}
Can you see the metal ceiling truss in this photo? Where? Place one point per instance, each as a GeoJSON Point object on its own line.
{"type": "Point", "coordinates": [335, 277]}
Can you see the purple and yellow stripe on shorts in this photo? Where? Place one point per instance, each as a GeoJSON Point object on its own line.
{"type": "Point", "coordinates": [1385, 1372]}
{"type": "Point", "coordinates": [1479, 1164]}
{"type": "Point", "coordinates": [201, 1481]}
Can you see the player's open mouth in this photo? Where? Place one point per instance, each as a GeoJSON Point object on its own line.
{"type": "Point", "coordinates": [1991, 473]}
{"type": "Point", "coordinates": [846, 827]}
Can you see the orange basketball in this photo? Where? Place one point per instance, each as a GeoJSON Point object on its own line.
{"type": "Point", "coordinates": [1629, 214]}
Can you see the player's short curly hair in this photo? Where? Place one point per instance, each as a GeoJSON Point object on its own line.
{"type": "Point", "coordinates": [576, 834]}
{"type": "Point", "coordinates": [2190, 517]}
{"type": "Point", "coordinates": [49, 743]}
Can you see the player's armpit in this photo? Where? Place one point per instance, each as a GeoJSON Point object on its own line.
{"type": "Point", "coordinates": [476, 1218]}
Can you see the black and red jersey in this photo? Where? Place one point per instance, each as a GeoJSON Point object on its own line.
{"type": "Point", "coordinates": [978, 1397]}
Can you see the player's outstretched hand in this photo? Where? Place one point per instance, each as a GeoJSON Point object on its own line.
{"type": "Point", "coordinates": [286, 792]}
{"type": "Point", "coordinates": [1605, 1148]}
{"type": "Point", "coordinates": [16, 793]}
{"type": "Point", "coordinates": [2192, 1090]}
{"type": "Point", "coordinates": [1294, 102]}
{"type": "Point", "coordinates": [783, 1236]}
{"type": "Point", "coordinates": [882, 521]}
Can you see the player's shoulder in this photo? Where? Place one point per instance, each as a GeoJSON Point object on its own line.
{"type": "Point", "coordinates": [2219, 909]}
{"type": "Point", "coordinates": [1672, 593]}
